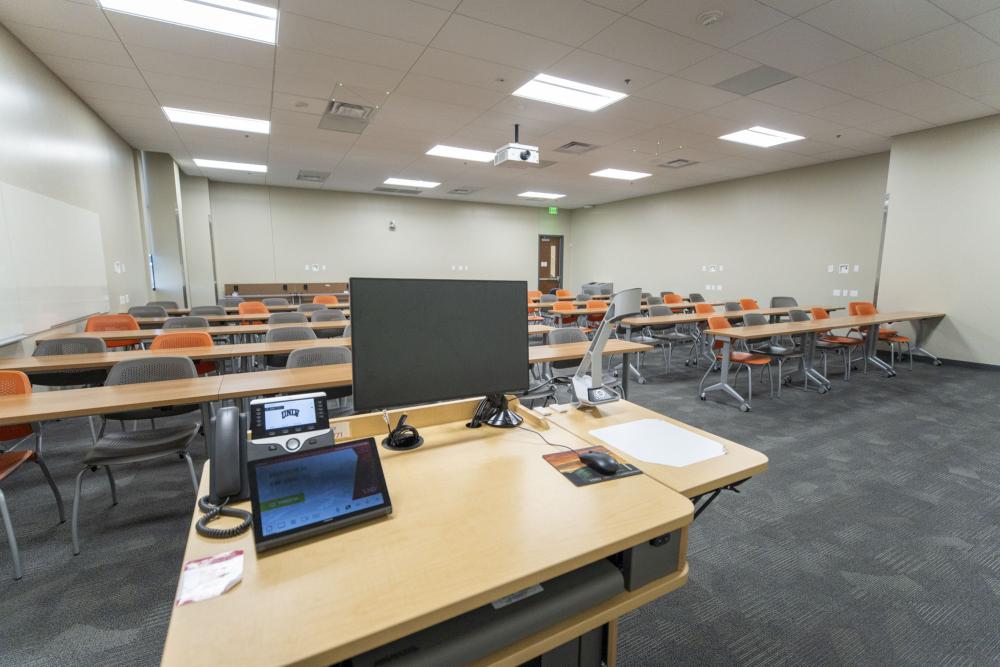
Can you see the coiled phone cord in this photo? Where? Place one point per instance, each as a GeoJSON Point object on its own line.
{"type": "Point", "coordinates": [212, 512]}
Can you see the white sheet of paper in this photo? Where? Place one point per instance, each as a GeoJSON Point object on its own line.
{"type": "Point", "coordinates": [657, 441]}
{"type": "Point", "coordinates": [209, 577]}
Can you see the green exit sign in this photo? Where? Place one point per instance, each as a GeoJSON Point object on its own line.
{"type": "Point", "coordinates": [553, 210]}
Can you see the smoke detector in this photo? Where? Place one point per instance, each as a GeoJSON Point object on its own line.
{"type": "Point", "coordinates": [710, 18]}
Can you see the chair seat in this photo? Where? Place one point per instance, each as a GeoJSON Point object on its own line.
{"type": "Point", "coordinates": [894, 339]}
{"type": "Point", "coordinates": [777, 350]}
{"type": "Point", "coordinates": [841, 340]}
{"type": "Point", "coordinates": [133, 444]}
{"type": "Point", "coordinates": [11, 461]}
{"type": "Point", "coordinates": [747, 358]}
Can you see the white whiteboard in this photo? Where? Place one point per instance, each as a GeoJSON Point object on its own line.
{"type": "Point", "coordinates": [51, 263]}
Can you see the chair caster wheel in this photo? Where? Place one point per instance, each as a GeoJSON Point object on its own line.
{"type": "Point", "coordinates": [641, 381]}
{"type": "Point", "coordinates": [744, 408]}
{"type": "Point", "coordinates": [702, 397]}
{"type": "Point", "coordinates": [937, 362]}
{"type": "Point", "coordinates": [823, 390]}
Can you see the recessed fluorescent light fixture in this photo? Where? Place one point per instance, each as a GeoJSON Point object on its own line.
{"type": "Point", "coordinates": [566, 93]}
{"type": "Point", "coordinates": [227, 17]}
{"type": "Point", "coordinates": [621, 174]}
{"type": "Point", "coordinates": [233, 166]}
{"type": "Point", "coordinates": [541, 195]}
{"type": "Point", "coordinates": [411, 183]}
{"type": "Point", "coordinates": [761, 136]}
{"type": "Point", "coordinates": [188, 117]}
{"type": "Point", "coordinates": [461, 153]}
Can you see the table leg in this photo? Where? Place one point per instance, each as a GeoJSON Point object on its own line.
{"type": "Point", "coordinates": [723, 383]}
{"type": "Point", "coordinates": [808, 355]}
{"type": "Point", "coordinates": [625, 378]}
{"type": "Point", "coordinates": [871, 351]}
{"type": "Point", "coordinates": [920, 333]}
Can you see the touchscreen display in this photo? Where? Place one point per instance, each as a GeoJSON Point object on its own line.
{"type": "Point", "coordinates": [316, 487]}
{"type": "Point", "coordinates": [289, 414]}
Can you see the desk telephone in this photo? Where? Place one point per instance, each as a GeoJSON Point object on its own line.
{"type": "Point", "coordinates": [282, 457]}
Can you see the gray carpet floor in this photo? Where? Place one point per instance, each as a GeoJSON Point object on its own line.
{"type": "Point", "coordinates": [874, 538]}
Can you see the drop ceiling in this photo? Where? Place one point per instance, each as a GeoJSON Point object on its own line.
{"type": "Point", "coordinates": [441, 72]}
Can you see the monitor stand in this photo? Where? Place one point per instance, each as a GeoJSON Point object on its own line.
{"type": "Point", "coordinates": [494, 410]}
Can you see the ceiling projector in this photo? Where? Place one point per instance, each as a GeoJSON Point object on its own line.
{"type": "Point", "coordinates": [516, 154]}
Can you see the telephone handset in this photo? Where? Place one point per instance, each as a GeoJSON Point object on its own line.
{"type": "Point", "coordinates": [227, 475]}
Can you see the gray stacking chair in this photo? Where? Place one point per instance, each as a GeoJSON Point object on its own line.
{"type": "Point", "coordinates": [653, 300]}
{"type": "Point", "coordinates": [783, 302]}
{"type": "Point", "coordinates": [208, 310]}
{"type": "Point", "coordinates": [557, 373]}
{"type": "Point", "coordinates": [329, 315]}
{"type": "Point", "coordinates": [147, 311]}
{"type": "Point", "coordinates": [694, 297]}
{"type": "Point", "coordinates": [128, 447]}
{"type": "Point", "coordinates": [286, 334]}
{"type": "Point", "coordinates": [311, 307]}
{"type": "Point", "coordinates": [666, 337]}
{"type": "Point", "coordinates": [165, 304]}
{"type": "Point", "coordinates": [231, 301]}
{"type": "Point", "coordinates": [83, 345]}
{"type": "Point", "coordinates": [646, 295]}
{"type": "Point", "coordinates": [583, 296]}
{"type": "Point", "coordinates": [275, 301]}
{"type": "Point", "coordinates": [287, 318]}
{"type": "Point", "coordinates": [323, 356]}
{"type": "Point", "coordinates": [775, 350]}
{"type": "Point", "coordinates": [548, 298]}
{"type": "Point", "coordinates": [732, 306]}
{"type": "Point", "coordinates": [186, 322]}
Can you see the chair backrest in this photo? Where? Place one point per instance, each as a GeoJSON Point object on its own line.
{"type": "Point", "coordinates": [165, 304]}
{"type": "Point", "coordinates": [548, 298]}
{"type": "Point", "coordinates": [168, 341]}
{"type": "Point", "coordinates": [657, 310]}
{"type": "Point", "coordinates": [119, 322]}
{"type": "Point", "coordinates": [672, 298]}
{"type": "Point", "coordinates": [783, 302]}
{"type": "Point", "coordinates": [597, 303]}
{"type": "Point", "coordinates": [563, 305]}
{"type": "Point", "coordinates": [329, 355]}
{"type": "Point", "coordinates": [653, 300]}
{"type": "Point", "coordinates": [749, 304]}
{"type": "Point", "coordinates": [861, 308]}
{"type": "Point", "coordinates": [702, 308]}
{"type": "Point", "coordinates": [732, 306]}
{"type": "Point", "coordinates": [328, 315]}
{"type": "Point", "coordinates": [186, 322]}
{"type": "Point", "coordinates": [665, 292]}
{"type": "Point", "coordinates": [326, 299]}
{"type": "Point", "coordinates": [147, 311]}
{"type": "Point", "coordinates": [695, 297]}
{"type": "Point", "coordinates": [753, 319]}
{"type": "Point", "coordinates": [275, 301]}
{"type": "Point", "coordinates": [289, 333]}
{"type": "Point", "coordinates": [252, 308]}
{"type": "Point", "coordinates": [820, 313]}
{"type": "Point", "coordinates": [208, 310]}
{"type": "Point", "coordinates": [566, 335]}
{"type": "Point", "coordinates": [311, 307]}
{"type": "Point", "coordinates": [796, 315]}
{"type": "Point", "coordinates": [287, 318]}
{"type": "Point", "coordinates": [563, 292]}
{"type": "Point", "coordinates": [231, 300]}
{"type": "Point", "coordinates": [14, 383]}
{"type": "Point", "coordinates": [81, 345]}
{"type": "Point", "coordinates": [718, 322]}
{"type": "Point", "coordinates": [347, 331]}
{"type": "Point", "coordinates": [151, 369]}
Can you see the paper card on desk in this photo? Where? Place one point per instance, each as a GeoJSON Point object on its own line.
{"type": "Point", "coordinates": [576, 471]}
{"type": "Point", "coordinates": [657, 441]}
{"type": "Point", "coordinates": [210, 577]}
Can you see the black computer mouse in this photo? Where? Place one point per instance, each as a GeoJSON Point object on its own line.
{"type": "Point", "coordinates": [599, 462]}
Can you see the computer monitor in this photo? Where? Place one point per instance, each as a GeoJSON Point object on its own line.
{"type": "Point", "coordinates": [418, 341]}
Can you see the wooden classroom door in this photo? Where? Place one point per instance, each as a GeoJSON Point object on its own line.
{"type": "Point", "coordinates": [550, 259]}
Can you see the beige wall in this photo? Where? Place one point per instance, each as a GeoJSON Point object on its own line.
{"type": "Point", "coordinates": [269, 234]}
{"type": "Point", "coordinates": [195, 217]}
{"type": "Point", "coordinates": [53, 144]}
{"type": "Point", "coordinates": [943, 235]}
{"type": "Point", "coordinates": [774, 234]}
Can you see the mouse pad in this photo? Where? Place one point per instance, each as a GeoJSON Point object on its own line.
{"type": "Point", "coordinates": [577, 471]}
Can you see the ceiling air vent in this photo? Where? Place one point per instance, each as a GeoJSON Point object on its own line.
{"type": "Point", "coordinates": [462, 191]}
{"type": "Point", "coordinates": [312, 176]}
{"type": "Point", "coordinates": [346, 117]}
{"type": "Point", "coordinates": [575, 148]}
{"type": "Point", "coordinates": [397, 191]}
{"type": "Point", "coordinates": [679, 163]}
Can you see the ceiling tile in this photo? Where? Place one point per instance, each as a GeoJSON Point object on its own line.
{"type": "Point", "coordinates": [945, 50]}
{"type": "Point", "coordinates": [470, 37]}
{"type": "Point", "coordinates": [598, 70]}
{"type": "Point", "coordinates": [741, 19]}
{"type": "Point", "coordinates": [474, 71]}
{"type": "Point", "coordinates": [798, 48]}
{"type": "Point", "coordinates": [966, 9]}
{"type": "Point", "coordinates": [106, 108]}
{"type": "Point", "coordinates": [646, 111]}
{"type": "Point", "coordinates": [861, 140]}
{"type": "Point", "coordinates": [85, 70]}
{"type": "Point", "coordinates": [875, 24]}
{"type": "Point", "coordinates": [714, 69]}
{"type": "Point", "coordinates": [71, 17]}
{"type": "Point", "coordinates": [531, 130]}
{"type": "Point", "coordinates": [315, 75]}
{"type": "Point", "coordinates": [108, 91]}
{"type": "Point", "coordinates": [686, 94]}
{"type": "Point", "coordinates": [794, 7]}
{"type": "Point", "coordinates": [919, 96]}
{"type": "Point", "coordinates": [863, 76]}
{"type": "Point", "coordinates": [801, 95]}
{"type": "Point", "coordinates": [309, 34]}
{"type": "Point", "coordinates": [447, 5]}
{"type": "Point", "coordinates": [212, 90]}
{"type": "Point", "coordinates": [987, 24]}
{"type": "Point", "coordinates": [955, 113]}
{"type": "Point", "coordinates": [533, 109]}
{"type": "Point", "coordinates": [565, 21]}
{"type": "Point", "coordinates": [974, 81]}
{"type": "Point", "coordinates": [649, 46]}
{"type": "Point", "coordinates": [452, 92]}
{"type": "Point", "coordinates": [401, 19]}
{"type": "Point", "coordinates": [197, 67]}
{"type": "Point", "coordinates": [855, 112]}
{"type": "Point", "coordinates": [622, 6]}
{"type": "Point", "coordinates": [900, 124]}
{"type": "Point", "coordinates": [58, 43]}
{"type": "Point", "coordinates": [417, 114]}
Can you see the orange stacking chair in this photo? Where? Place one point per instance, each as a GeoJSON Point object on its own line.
{"type": "Point", "coordinates": [596, 303]}
{"type": "Point", "coordinates": [742, 360]}
{"type": "Point", "coordinates": [563, 292]}
{"type": "Point", "coordinates": [326, 299]}
{"type": "Point", "coordinates": [749, 304]}
{"type": "Point", "coordinates": [890, 336]}
{"type": "Point", "coordinates": [563, 306]}
{"type": "Point", "coordinates": [534, 295]}
{"type": "Point", "coordinates": [672, 298]}
{"type": "Point", "coordinates": [844, 343]}
{"type": "Point", "coordinates": [254, 308]}
{"type": "Point", "coordinates": [13, 383]}
{"type": "Point", "coordinates": [119, 322]}
{"type": "Point", "coordinates": [176, 339]}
